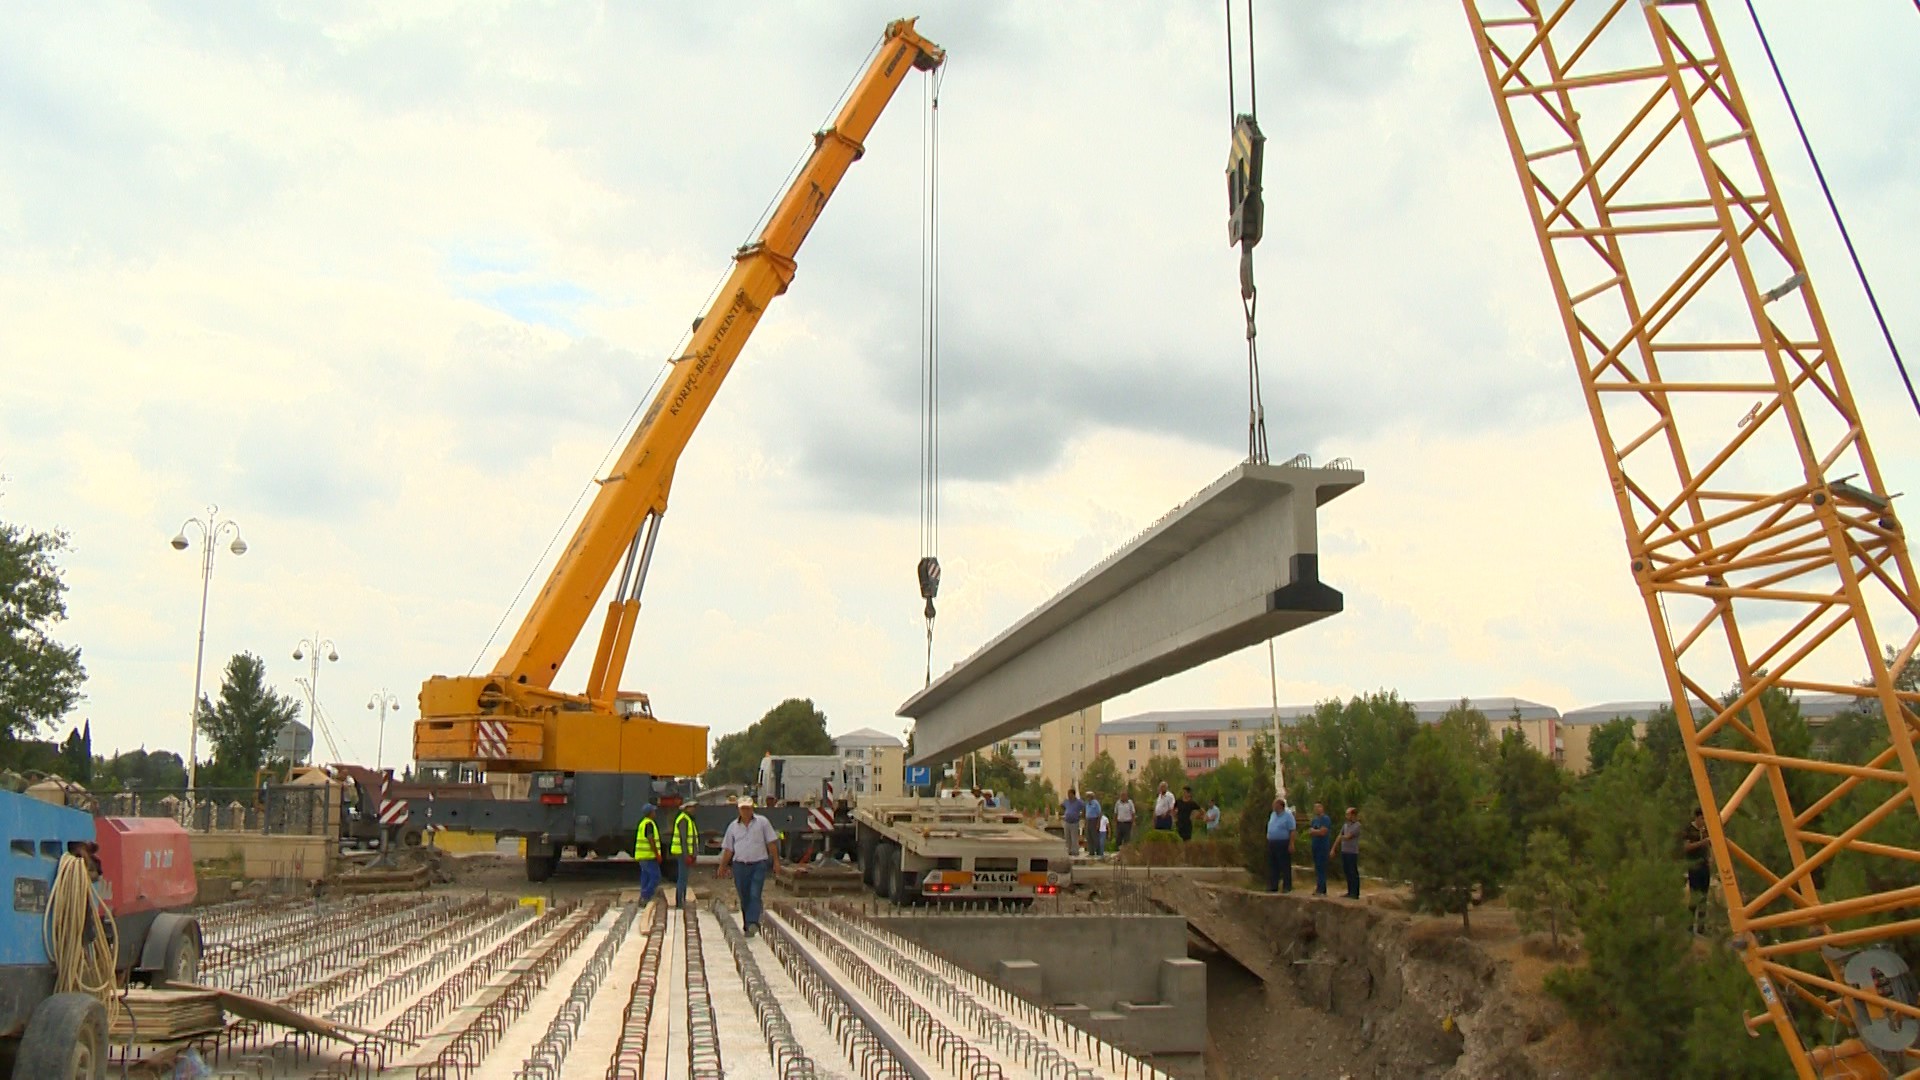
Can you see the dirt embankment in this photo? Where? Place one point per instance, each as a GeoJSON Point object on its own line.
{"type": "Point", "coordinates": [1354, 991]}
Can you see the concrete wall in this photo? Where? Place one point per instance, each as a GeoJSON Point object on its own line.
{"type": "Point", "coordinates": [1125, 978]}
{"type": "Point", "coordinates": [303, 858]}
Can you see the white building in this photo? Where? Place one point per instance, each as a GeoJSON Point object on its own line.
{"type": "Point", "coordinates": [873, 762]}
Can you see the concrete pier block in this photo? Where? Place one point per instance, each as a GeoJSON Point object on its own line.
{"type": "Point", "coordinates": [1023, 977]}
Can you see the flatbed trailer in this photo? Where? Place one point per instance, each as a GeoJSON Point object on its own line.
{"type": "Point", "coordinates": [955, 848]}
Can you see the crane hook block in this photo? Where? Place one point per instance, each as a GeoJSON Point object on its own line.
{"type": "Point", "coordinates": [1246, 212]}
{"type": "Point", "coordinates": [929, 581]}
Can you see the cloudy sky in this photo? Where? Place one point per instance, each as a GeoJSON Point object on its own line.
{"type": "Point", "coordinates": [384, 282]}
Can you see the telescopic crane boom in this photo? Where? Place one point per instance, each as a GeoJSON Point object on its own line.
{"type": "Point", "coordinates": [513, 719]}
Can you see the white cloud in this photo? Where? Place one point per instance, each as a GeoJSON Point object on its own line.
{"type": "Point", "coordinates": [384, 282]}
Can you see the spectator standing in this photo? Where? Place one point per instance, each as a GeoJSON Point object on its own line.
{"type": "Point", "coordinates": [1696, 844]}
{"type": "Point", "coordinates": [682, 848]}
{"type": "Point", "coordinates": [1213, 816]}
{"type": "Point", "coordinates": [1183, 811]}
{"type": "Point", "coordinates": [1073, 812]}
{"type": "Point", "coordinates": [1094, 812]}
{"type": "Point", "coordinates": [751, 851]}
{"type": "Point", "coordinates": [646, 852]}
{"type": "Point", "coordinates": [1123, 819]}
{"type": "Point", "coordinates": [1100, 845]}
{"type": "Point", "coordinates": [1280, 829]}
{"type": "Point", "coordinates": [1320, 829]}
{"type": "Point", "coordinates": [1163, 808]}
{"type": "Point", "coordinates": [1350, 852]}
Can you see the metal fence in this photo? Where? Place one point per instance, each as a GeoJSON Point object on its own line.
{"type": "Point", "coordinates": [276, 809]}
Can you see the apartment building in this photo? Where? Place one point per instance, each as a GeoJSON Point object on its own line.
{"type": "Point", "coordinates": [873, 762]}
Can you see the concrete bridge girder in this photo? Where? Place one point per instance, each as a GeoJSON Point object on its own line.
{"type": "Point", "coordinates": [1233, 566]}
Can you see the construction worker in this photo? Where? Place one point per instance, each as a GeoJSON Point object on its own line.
{"type": "Point", "coordinates": [682, 846]}
{"type": "Point", "coordinates": [646, 852]}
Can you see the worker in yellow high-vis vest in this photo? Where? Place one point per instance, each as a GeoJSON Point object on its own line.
{"type": "Point", "coordinates": [682, 845]}
{"type": "Point", "coordinates": [646, 852]}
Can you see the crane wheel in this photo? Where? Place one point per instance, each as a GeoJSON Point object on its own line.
{"type": "Point", "coordinates": [541, 867]}
{"type": "Point", "coordinates": [66, 1039]}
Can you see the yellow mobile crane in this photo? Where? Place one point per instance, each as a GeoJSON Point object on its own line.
{"type": "Point", "coordinates": [1759, 530]}
{"type": "Point", "coordinates": [598, 755]}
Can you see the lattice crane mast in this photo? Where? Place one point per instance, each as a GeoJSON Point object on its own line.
{"type": "Point", "coordinates": [1759, 529]}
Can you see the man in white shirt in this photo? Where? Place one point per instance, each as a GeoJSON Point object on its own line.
{"type": "Point", "coordinates": [1123, 819]}
{"type": "Point", "coordinates": [1163, 808]}
{"type": "Point", "coordinates": [751, 850]}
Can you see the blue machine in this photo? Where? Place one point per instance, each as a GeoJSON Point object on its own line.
{"type": "Point", "coordinates": [58, 1036]}
{"type": "Point", "coordinates": [37, 834]}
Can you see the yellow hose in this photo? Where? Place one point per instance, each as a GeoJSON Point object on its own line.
{"type": "Point", "coordinates": [73, 912]}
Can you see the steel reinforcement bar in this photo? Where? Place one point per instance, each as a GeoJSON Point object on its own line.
{"type": "Point", "coordinates": [1022, 1030]}
{"type": "Point", "coordinates": [549, 1054]}
{"type": "Point", "coordinates": [629, 1059]}
{"type": "Point", "coordinates": [789, 1061]}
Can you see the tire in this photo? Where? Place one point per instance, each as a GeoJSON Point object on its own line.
{"type": "Point", "coordinates": [412, 837]}
{"type": "Point", "coordinates": [885, 858]}
{"type": "Point", "coordinates": [869, 853]}
{"type": "Point", "coordinates": [541, 867]}
{"type": "Point", "coordinates": [182, 965]}
{"type": "Point", "coordinates": [66, 1039]}
{"type": "Point", "coordinates": [902, 893]}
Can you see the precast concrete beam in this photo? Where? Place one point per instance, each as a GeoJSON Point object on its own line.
{"type": "Point", "coordinates": [1234, 565]}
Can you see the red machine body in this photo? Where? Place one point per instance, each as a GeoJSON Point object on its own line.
{"type": "Point", "coordinates": [146, 864]}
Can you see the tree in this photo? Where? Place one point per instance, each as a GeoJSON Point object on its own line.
{"type": "Point", "coordinates": [137, 770]}
{"type": "Point", "coordinates": [40, 678]}
{"type": "Point", "coordinates": [1339, 754]}
{"type": "Point", "coordinates": [76, 754]}
{"type": "Point", "coordinates": [998, 772]}
{"type": "Point", "coordinates": [1528, 787]}
{"type": "Point", "coordinates": [1102, 778]}
{"type": "Point", "coordinates": [1162, 768]}
{"type": "Point", "coordinates": [243, 726]}
{"type": "Point", "coordinates": [1636, 988]}
{"type": "Point", "coordinates": [1227, 785]}
{"type": "Point", "coordinates": [1606, 739]}
{"type": "Point", "coordinates": [792, 727]}
{"type": "Point", "coordinates": [1254, 808]}
{"type": "Point", "coordinates": [1544, 892]}
{"type": "Point", "coordinates": [1037, 798]}
{"type": "Point", "coordinates": [1433, 834]}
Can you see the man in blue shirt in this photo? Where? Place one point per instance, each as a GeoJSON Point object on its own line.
{"type": "Point", "coordinates": [1072, 813]}
{"type": "Point", "coordinates": [1280, 829]}
{"type": "Point", "coordinates": [1094, 840]}
{"type": "Point", "coordinates": [1321, 830]}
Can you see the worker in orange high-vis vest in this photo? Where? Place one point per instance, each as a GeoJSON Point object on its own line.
{"type": "Point", "coordinates": [682, 845]}
{"type": "Point", "coordinates": [646, 852]}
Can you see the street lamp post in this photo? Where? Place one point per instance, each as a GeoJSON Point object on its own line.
{"type": "Point", "coordinates": [211, 529]}
{"type": "Point", "coordinates": [385, 700]}
{"type": "Point", "coordinates": [310, 649]}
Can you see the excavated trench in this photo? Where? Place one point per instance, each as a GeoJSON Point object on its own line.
{"type": "Point", "coordinates": [1306, 988]}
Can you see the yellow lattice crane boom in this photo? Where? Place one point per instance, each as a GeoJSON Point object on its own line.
{"type": "Point", "coordinates": [1759, 528]}
{"type": "Point", "coordinates": [513, 719]}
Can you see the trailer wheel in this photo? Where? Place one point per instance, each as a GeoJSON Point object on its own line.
{"type": "Point", "coordinates": [886, 867]}
{"type": "Point", "coordinates": [66, 1039]}
{"type": "Point", "coordinates": [897, 888]}
{"type": "Point", "coordinates": [868, 850]}
{"type": "Point", "coordinates": [182, 964]}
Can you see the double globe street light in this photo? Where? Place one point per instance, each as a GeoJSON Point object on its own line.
{"type": "Point", "coordinates": [211, 530]}
{"type": "Point", "coordinates": [310, 650]}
